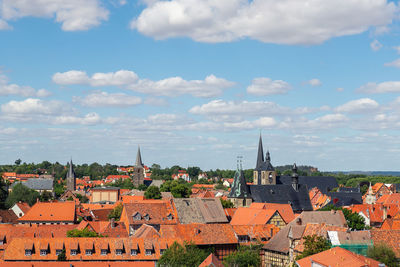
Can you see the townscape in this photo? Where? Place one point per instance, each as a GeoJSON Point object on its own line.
{"type": "Point", "coordinates": [274, 220]}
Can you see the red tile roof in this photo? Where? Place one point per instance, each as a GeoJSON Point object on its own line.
{"type": "Point", "coordinates": [285, 210]}
{"type": "Point", "coordinates": [390, 238]}
{"type": "Point", "coordinates": [50, 212]}
{"type": "Point", "coordinates": [339, 257]}
{"type": "Point", "coordinates": [211, 261]}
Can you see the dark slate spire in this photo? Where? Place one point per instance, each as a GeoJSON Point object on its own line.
{"type": "Point", "coordinates": [139, 162]}
{"type": "Point", "coordinates": [295, 178]}
{"type": "Point", "coordinates": [71, 172]}
{"type": "Point", "coordinates": [260, 155]}
{"type": "Point", "coordinates": [239, 188]}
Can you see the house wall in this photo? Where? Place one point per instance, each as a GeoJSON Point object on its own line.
{"type": "Point", "coordinates": [104, 195]}
{"type": "Point", "coordinates": [17, 211]}
{"type": "Point", "coordinates": [277, 220]}
{"type": "Point", "coordinates": [274, 259]}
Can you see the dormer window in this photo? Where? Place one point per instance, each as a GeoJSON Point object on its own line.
{"type": "Point", "coordinates": [134, 252]}
{"type": "Point", "coordinates": [170, 217]}
{"type": "Point", "coordinates": [43, 252]}
{"type": "Point", "coordinates": [118, 251]}
{"type": "Point", "coordinates": [137, 216]}
{"type": "Point", "coordinates": [88, 252]}
{"type": "Point", "coordinates": [28, 252]}
{"type": "Point", "coordinates": [146, 217]}
{"type": "Point", "coordinates": [162, 251]}
{"type": "Point", "coordinates": [149, 252]}
{"type": "Point", "coordinates": [74, 252]}
{"type": "Point", "coordinates": [103, 252]}
{"type": "Point", "coordinates": [58, 251]}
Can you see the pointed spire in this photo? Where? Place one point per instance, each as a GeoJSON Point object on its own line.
{"type": "Point", "coordinates": [239, 188]}
{"type": "Point", "coordinates": [260, 154]}
{"type": "Point", "coordinates": [71, 172]}
{"type": "Point", "coordinates": [139, 162]}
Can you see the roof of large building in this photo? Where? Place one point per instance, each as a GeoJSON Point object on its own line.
{"type": "Point", "coordinates": [50, 212]}
{"type": "Point", "coordinates": [323, 183]}
{"type": "Point", "coordinates": [282, 194]}
{"type": "Point", "coordinates": [37, 184]}
{"type": "Point", "coordinates": [341, 199]}
{"type": "Point", "coordinates": [200, 210]}
{"type": "Point", "coordinates": [337, 257]}
{"type": "Point", "coordinates": [201, 234]}
{"type": "Point", "coordinates": [280, 241]}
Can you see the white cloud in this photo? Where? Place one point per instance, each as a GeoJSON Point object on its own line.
{"type": "Point", "coordinates": [14, 89]}
{"type": "Point", "coordinates": [33, 106]}
{"type": "Point", "coordinates": [4, 25]}
{"type": "Point", "coordinates": [379, 88]}
{"type": "Point", "coordinates": [74, 15]}
{"type": "Point", "coordinates": [266, 86]}
{"type": "Point", "coordinates": [395, 63]}
{"type": "Point", "coordinates": [89, 119]}
{"type": "Point", "coordinates": [270, 21]}
{"type": "Point", "coordinates": [314, 82]}
{"type": "Point", "coordinates": [376, 45]}
{"type": "Point", "coordinates": [153, 101]}
{"type": "Point", "coordinates": [340, 89]}
{"type": "Point", "coordinates": [209, 87]}
{"type": "Point", "coordinates": [104, 99]}
{"type": "Point", "coordinates": [358, 106]}
{"type": "Point", "coordinates": [397, 48]}
{"type": "Point", "coordinates": [249, 108]}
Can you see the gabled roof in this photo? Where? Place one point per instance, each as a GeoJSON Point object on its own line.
{"type": "Point", "coordinates": [285, 210]}
{"type": "Point", "coordinates": [248, 216]}
{"type": "Point", "coordinates": [50, 212]}
{"type": "Point", "coordinates": [157, 210]}
{"type": "Point", "coordinates": [260, 232]}
{"type": "Point", "coordinates": [389, 199]}
{"type": "Point", "coordinates": [337, 257]}
{"type": "Point", "coordinates": [211, 261]}
{"type": "Point", "coordinates": [280, 241]}
{"type": "Point", "coordinates": [146, 231]}
{"type": "Point", "coordinates": [200, 210]}
{"type": "Point", "coordinates": [340, 199]}
{"type": "Point", "coordinates": [38, 184]}
{"type": "Point", "coordinates": [23, 206]}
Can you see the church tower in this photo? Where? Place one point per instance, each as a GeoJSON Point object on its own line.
{"type": "Point", "coordinates": [264, 173]}
{"type": "Point", "coordinates": [71, 178]}
{"type": "Point", "coordinates": [240, 192]}
{"type": "Point", "coordinates": [138, 173]}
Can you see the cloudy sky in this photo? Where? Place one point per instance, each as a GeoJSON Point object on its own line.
{"type": "Point", "coordinates": [194, 82]}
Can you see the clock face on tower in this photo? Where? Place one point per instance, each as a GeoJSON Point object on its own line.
{"type": "Point", "coordinates": [270, 178]}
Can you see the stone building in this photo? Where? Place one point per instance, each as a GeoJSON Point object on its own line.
{"type": "Point", "coordinates": [138, 173]}
{"type": "Point", "coordinates": [71, 178]}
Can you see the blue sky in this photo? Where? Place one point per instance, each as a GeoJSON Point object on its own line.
{"type": "Point", "coordinates": [194, 82]}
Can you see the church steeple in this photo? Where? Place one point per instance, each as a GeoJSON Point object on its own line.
{"type": "Point", "coordinates": [139, 162]}
{"type": "Point", "coordinates": [240, 188]}
{"type": "Point", "coordinates": [71, 177]}
{"type": "Point", "coordinates": [260, 154]}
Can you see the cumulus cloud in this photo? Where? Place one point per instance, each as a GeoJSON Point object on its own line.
{"type": "Point", "coordinates": [380, 88]}
{"type": "Point", "coordinates": [395, 63]}
{"type": "Point", "coordinates": [14, 89]}
{"type": "Point", "coordinates": [282, 22]}
{"type": "Point", "coordinates": [314, 82]}
{"type": "Point", "coordinates": [249, 108]}
{"type": "Point", "coordinates": [104, 99]}
{"type": "Point", "coordinates": [4, 25]}
{"type": "Point", "coordinates": [376, 45]}
{"type": "Point", "coordinates": [358, 106]}
{"type": "Point", "coordinates": [209, 87]}
{"type": "Point", "coordinates": [74, 15]}
{"type": "Point", "coordinates": [89, 119]}
{"type": "Point", "coordinates": [33, 106]}
{"type": "Point", "coordinates": [266, 86]}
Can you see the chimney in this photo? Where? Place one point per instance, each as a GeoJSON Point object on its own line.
{"type": "Point", "coordinates": [298, 221]}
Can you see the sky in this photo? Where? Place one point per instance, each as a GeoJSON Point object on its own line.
{"type": "Point", "coordinates": [195, 82]}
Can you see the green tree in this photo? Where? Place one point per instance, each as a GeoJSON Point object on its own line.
{"type": "Point", "coordinates": [193, 172]}
{"type": "Point", "coordinates": [116, 212]}
{"type": "Point", "coordinates": [314, 244]}
{"type": "Point", "coordinates": [62, 256]}
{"type": "Point", "coordinates": [383, 254]}
{"type": "Point", "coordinates": [3, 193]}
{"type": "Point", "coordinates": [245, 256]}
{"type": "Point", "coordinates": [187, 255]}
{"type": "Point", "coordinates": [22, 193]}
{"type": "Point", "coordinates": [82, 233]}
{"type": "Point", "coordinates": [180, 191]}
{"type": "Point", "coordinates": [46, 196]}
{"type": "Point", "coordinates": [152, 192]}
{"type": "Point", "coordinates": [226, 203]}
{"type": "Point", "coordinates": [82, 198]}
{"type": "Point", "coordinates": [142, 187]}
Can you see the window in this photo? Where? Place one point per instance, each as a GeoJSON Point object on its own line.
{"type": "Point", "coordinates": [118, 251]}
{"type": "Point", "coordinates": [58, 251]}
{"type": "Point", "coordinates": [43, 252]}
{"type": "Point", "coordinates": [104, 252]}
{"type": "Point", "coordinates": [89, 252]}
{"type": "Point", "coordinates": [133, 252]}
{"type": "Point", "coordinates": [74, 252]}
{"type": "Point", "coordinates": [148, 252]}
{"type": "Point", "coordinates": [162, 251]}
{"type": "Point", "coordinates": [28, 252]}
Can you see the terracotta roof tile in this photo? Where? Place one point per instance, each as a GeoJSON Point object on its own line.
{"type": "Point", "coordinates": [338, 257]}
{"type": "Point", "coordinates": [389, 237]}
{"type": "Point", "coordinates": [211, 261]}
{"type": "Point", "coordinates": [50, 212]}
